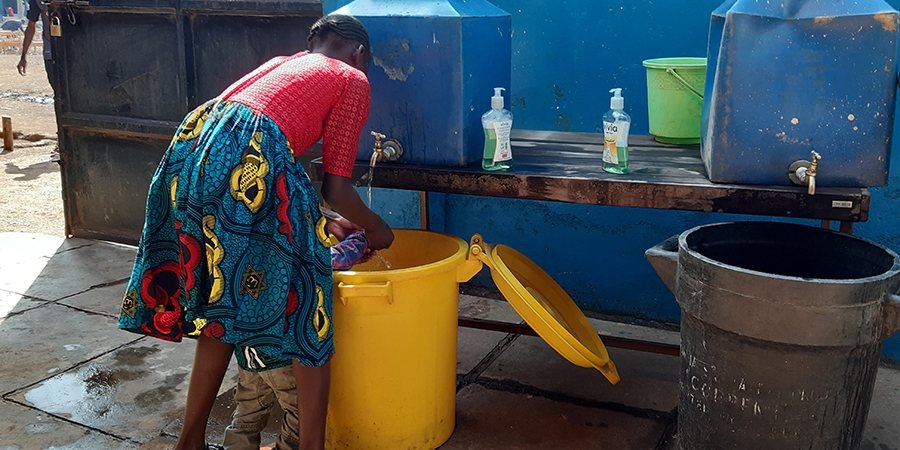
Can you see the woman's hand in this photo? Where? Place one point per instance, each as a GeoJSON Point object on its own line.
{"type": "Point", "coordinates": [341, 228]}
{"type": "Point", "coordinates": [380, 238]}
{"type": "Point", "coordinates": [340, 195]}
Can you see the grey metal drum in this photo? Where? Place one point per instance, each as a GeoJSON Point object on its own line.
{"type": "Point", "coordinates": [782, 327]}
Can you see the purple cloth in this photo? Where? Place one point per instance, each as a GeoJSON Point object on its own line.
{"type": "Point", "coordinates": [350, 251]}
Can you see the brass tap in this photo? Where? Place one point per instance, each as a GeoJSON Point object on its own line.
{"type": "Point", "coordinates": [803, 172]}
{"type": "Point", "coordinates": [389, 150]}
{"type": "Point", "coordinates": [378, 137]}
{"type": "Point", "coordinates": [378, 151]}
{"type": "Point", "coordinates": [811, 172]}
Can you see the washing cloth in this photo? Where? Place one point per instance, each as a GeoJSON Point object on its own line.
{"type": "Point", "coordinates": [350, 251]}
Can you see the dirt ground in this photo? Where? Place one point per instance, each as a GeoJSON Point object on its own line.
{"type": "Point", "coordinates": [30, 189]}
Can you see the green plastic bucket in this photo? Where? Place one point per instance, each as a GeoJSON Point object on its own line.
{"type": "Point", "coordinates": [675, 98]}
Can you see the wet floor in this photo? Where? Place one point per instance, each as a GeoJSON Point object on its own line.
{"type": "Point", "coordinates": [73, 381]}
{"type": "Point", "coordinates": [86, 396]}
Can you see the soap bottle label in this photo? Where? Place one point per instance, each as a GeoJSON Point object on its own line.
{"type": "Point", "coordinates": [615, 135]}
{"type": "Point", "coordinates": [501, 133]}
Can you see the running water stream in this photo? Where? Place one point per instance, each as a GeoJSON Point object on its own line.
{"type": "Point", "coordinates": [385, 264]}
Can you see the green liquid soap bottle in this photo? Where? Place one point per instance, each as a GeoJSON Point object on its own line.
{"type": "Point", "coordinates": [497, 125]}
{"type": "Point", "coordinates": [615, 135]}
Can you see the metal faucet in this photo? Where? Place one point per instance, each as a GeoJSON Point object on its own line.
{"type": "Point", "coordinates": [389, 150]}
{"type": "Point", "coordinates": [804, 172]}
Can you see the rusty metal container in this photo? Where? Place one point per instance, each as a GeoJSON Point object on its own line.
{"type": "Point", "coordinates": [782, 328]}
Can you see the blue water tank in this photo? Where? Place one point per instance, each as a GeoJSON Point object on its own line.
{"type": "Point", "coordinates": [791, 76]}
{"type": "Point", "coordinates": [435, 66]}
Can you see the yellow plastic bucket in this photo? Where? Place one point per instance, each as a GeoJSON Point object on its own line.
{"type": "Point", "coordinates": [393, 383]}
{"type": "Point", "coordinates": [394, 369]}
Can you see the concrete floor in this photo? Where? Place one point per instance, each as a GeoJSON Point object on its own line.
{"type": "Point", "coordinates": [71, 380]}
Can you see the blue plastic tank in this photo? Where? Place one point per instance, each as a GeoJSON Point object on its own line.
{"type": "Point", "coordinates": [788, 77]}
{"type": "Point", "coordinates": [435, 66]}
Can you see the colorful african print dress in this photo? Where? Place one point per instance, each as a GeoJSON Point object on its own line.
{"type": "Point", "coordinates": [229, 248]}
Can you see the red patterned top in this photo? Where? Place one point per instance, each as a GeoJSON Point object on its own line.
{"type": "Point", "coordinates": [310, 97]}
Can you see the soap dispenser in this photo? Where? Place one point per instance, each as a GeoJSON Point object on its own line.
{"type": "Point", "coordinates": [497, 125]}
{"type": "Point", "coordinates": [615, 135]}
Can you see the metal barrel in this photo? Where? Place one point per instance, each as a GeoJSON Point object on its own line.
{"type": "Point", "coordinates": [782, 327]}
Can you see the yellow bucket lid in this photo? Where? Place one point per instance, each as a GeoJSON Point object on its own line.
{"type": "Point", "coordinates": [545, 306]}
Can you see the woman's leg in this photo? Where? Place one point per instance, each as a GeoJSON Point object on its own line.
{"type": "Point", "coordinates": [313, 384]}
{"type": "Point", "coordinates": [210, 363]}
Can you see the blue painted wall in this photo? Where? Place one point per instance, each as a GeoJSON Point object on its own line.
{"type": "Point", "coordinates": [565, 60]}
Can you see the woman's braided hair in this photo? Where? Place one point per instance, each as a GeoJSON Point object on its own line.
{"type": "Point", "coordinates": [347, 27]}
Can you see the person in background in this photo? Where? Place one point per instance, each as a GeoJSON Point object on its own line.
{"type": "Point", "coordinates": [38, 11]}
{"type": "Point", "coordinates": [230, 253]}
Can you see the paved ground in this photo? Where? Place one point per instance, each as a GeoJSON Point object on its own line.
{"type": "Point", "coordinates": [71, 380]}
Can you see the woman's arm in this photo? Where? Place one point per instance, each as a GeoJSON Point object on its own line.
{"type": "Point", "coordinates": [339, 147]}
{"type": "Point", "coordinates": [343, 198]}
